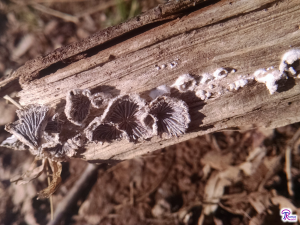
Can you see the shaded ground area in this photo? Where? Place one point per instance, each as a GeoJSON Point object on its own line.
{"type": "Point", "coordinates": [222, 178]}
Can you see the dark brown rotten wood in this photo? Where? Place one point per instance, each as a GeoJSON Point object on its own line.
{"type": "Point", "coordinates": [244, 35]}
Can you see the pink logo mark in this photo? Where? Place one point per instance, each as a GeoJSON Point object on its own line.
{"type": "Point", "coordinates": [287, 216]}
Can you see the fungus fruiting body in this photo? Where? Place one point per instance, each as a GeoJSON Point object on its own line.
{"type": "Point", "coordinates": [30, 126]}
{"type": "Point", "coordinates": [100, 100]}
{"type": "Point", "coordinates": [78, 105]}
{"type": "Point", "coordinates": [159, 91]}
{"type": "Point", "coordinates": [103, 132]}
{"type": "Point", "coordinates": [202, 94]}
{"type": "Point", "coordinates": [185, 83]}
{"type": "Point", "coordinates": [206, 77]}
{"type": "Point", "coordinates": [220, 73]}
{"type": "Point", "coordinates": [269, 78]}
{"type": "Point", "coordinates": [170, 116]}
{"type": "Point", "coordinates": [123, 117]}
{"type": "Point", "coordinates": [238, 84]}
{"type": "Point", "coordinates": [14, 143]}
{"type": "Point", "coordinates": [290, 62]}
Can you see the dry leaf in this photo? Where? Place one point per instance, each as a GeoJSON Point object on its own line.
{"type": "Point", "coordinates": [47, 192]}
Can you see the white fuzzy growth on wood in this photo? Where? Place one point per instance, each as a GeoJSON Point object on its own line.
{"type": "Point", "coordinates": [220, 73]}
{"type": "Point", "coordinates": [100, 100]}
{"type": "Point", "coordinates": [269, 78]}
{"type": "Point", "coordinates": [238, 84]}
{"type": "Point", "coordinates": [185, 83]}
{"type": "Point", "coordinates": [206, 77]}
{"type": "Point", "coordinates": [201, 94]}
{"type": "Point", "coordinates": [287, 60]}
{"type": "Point", "coordinates": [159, 91]}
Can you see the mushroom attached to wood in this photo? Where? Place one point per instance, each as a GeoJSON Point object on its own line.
{"type": "Point", "coordinates": [128, 113]}
{"type": "Point", "coordinates": [103, 132]}
{"type": "Point", "coordinates": [170, 116]}
{"type": "Point", "coordinates": [30, 126]}
{"type": "Point", "coordinates": [123, 117]}
{"type": "Point", "coordinates": [78, 105]}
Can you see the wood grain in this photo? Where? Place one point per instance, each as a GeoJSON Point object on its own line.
{"type": "Point", "coordinates": [239, 34]}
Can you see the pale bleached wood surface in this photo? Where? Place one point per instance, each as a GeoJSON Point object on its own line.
{"type": "Point", "coordinates": [244, 35]}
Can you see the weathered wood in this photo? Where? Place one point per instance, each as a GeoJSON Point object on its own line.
{"type": "Point", "coordinates": [244, 35]}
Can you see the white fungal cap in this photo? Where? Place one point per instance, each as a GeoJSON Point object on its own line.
{"type": "Point", "coordinates": [208, 94]}
{"type": "Point", "coordinates": [269, 78]}
{"type": "Point", "coordinates": [205, 77]}
{"type": "Point", "coordinates": [159, 91]}
{"type": "Point", "coordinates": [185, 83]}
{"type": "Point", "coordinates": [128, 113]}
{"type": "Point", "coordinates": [100, 100]}
{"type": "Point", "coordinates": [288, 59]}
{"type": "Point", "coordinates": [30, 126]}
{"type": "Point", "coordinates": [77, 106]}
{"type": "Point", "coordinates": [232, 86]}
{"type": "Point", "coordinates": [239, 83]}
{"type": "Point", "coordinates": [201, 94]}
{"type": "Point", "coordinates": [170, 116]}
{"type": "Point", "coordinates": [220, 73]}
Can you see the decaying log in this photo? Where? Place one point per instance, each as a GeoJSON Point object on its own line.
{"type": "Point", "coordinates": [180, 37]}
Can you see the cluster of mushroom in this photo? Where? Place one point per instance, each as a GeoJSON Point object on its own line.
{"type": "Point", "coordinates": [127, 116]}
{"type": "Point", "coordinates": [124, 117]}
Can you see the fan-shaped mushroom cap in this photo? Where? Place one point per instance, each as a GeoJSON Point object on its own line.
{"type": "Point", "coordinates": [78, 105]}
{"type": "Point", "coordinates": [98, 131]}
{"type": "Point", "coordinates": [100, 100]}
{"type": "Point", "coordinates": [170, 116]}
{"type": "Point", "coordinates": [128, 112]}
{"type": "Point", "coordinates": [30, 126]}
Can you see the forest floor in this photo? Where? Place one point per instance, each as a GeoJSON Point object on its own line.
{"type": "Point", "coordinates": [225, 178]}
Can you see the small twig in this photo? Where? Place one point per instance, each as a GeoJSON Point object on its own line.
{"type": "Point", "coordinates": [131, 188]}
{"type": "Point", "coordinates": [73, 194]}
{"type": "Point", "coordinates": [237, 211]}
{"type": "Point", "coordinates": [12, 101]}
{"type": "Point", "coordinates": [288, 163]}
{"type": "Point", "coordinates": [201, 218]}
{"type": "Point", "coordinates": [49, 182]}
{"type": "Point", "coordinates": [55, 13]}
{"type": "Point", "coordinates": [215, 143]}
